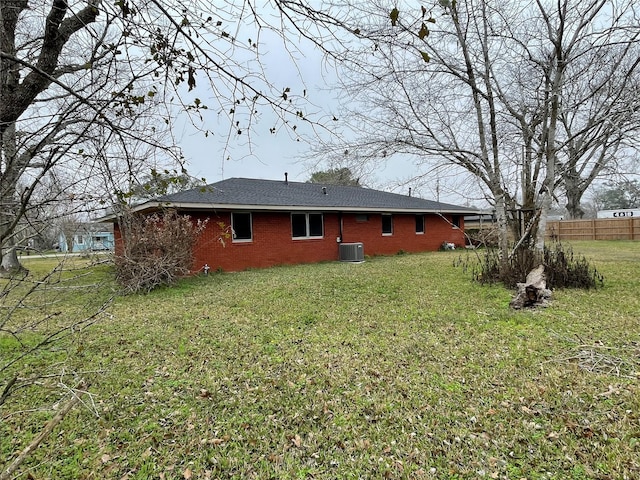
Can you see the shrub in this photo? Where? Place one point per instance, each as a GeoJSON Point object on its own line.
{"type": "Point", "coordinates": [562, 268]}
{"type": "Point", "coordinates": [157, 250]}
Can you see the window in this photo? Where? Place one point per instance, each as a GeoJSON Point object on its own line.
{"type": "Point", "coordinates": [306, 225]}
{"type": "Point", "coordinates": [79, 240]}
{"type": "Point", "coordinates": [315, 224]}
{"type": "Point", "coordinates": [387, 224]}
{"type": "Point", "coordinates": [419, 224]}
{"type": "Point", "coordinates": [362, 217]}
{"type": "Point", "coordinates": [298, 225]}
{"type": "Point", "coordinates": [455, 219]}
{"type": "Point", "coordinates": [241, 227]}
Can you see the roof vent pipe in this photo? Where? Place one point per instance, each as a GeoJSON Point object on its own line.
{"type": "Point", "coordinates": [286, 178]}
{"type": "Point", "coordinates": [409, 191]}
{"type": "Point", "coordinates": [324, 190]}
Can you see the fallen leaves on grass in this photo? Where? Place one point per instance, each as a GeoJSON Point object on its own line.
{"type": "Point", "coordinates": [297, 441]}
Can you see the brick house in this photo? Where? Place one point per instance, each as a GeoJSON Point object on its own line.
{"type": "Point", "coordinates": [261, 223]}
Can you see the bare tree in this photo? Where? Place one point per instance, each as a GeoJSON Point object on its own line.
{"type": "Point", "coordinates": [82, 80]}
{"type": "Point", "coordinates": [600, 116]}
{"type": "Point", "coordinates": [88, 93]}
{"type": "Point", "coordinates": [60, 88]}
{"type": "Point", "coordinates": [514, 94]}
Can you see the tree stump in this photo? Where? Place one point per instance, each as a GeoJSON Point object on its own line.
{"type": "Point", "coordinates": [533, 292]}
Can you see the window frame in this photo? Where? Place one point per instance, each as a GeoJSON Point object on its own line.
{"type": "Point", "coordinates": [318, 217]}
{"type": "Point", "coordinates": [233, 230]}
{"type": "Point", "coordinates": [455, 221]}
{"type": "Point", "coordinates": [420, 218]}
{"type": "Point", "coordinates": [307, 225]}
{"type": "Point", "coordinates": [390, 217]}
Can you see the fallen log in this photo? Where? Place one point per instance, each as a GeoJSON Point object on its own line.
{"type": "Point", "coordinates": [533, 292]}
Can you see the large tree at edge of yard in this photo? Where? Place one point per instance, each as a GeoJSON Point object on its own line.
{"type": "Point", "coordinates": [530, 100]}
{"type": "Point", "coordinates": [84, 83]}
{"type": "Point", "coordinates": [88, 91]}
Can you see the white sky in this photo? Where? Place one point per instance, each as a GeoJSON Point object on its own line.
{"type": "Point", "coordinates": [268, 156]}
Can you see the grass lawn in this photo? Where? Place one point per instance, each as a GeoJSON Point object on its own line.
{"type": "Point", "coordinates": [399, 367]}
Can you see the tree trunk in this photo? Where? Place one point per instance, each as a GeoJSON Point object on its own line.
{"type": "Point", "coordinates": [70, 227]}
{"type": "Point", "coordinates": [548, 184]}
{"type": "Point", "coordinates": [503, 233]}
{"type": "Point", "coordinates": [545, 207]}
{"type": "Point", "coordinates": [10, 264]}
{"type": "Point", "coordinates": [69, 242]}
{"type": "Point", "coordinates": [574, 193]}
{"type": "Point", "coordinates": [574, 210]}
{"type": "Point", "coordinates": [533, 292]}
{"type": "Point", "coordinates": [10, 260]}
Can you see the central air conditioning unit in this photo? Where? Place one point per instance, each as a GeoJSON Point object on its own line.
{"type": "Point", "coordinates": [351, 252]}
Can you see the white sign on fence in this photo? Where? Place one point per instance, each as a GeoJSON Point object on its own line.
{"type": "Point", "coordinates": [621, 213]}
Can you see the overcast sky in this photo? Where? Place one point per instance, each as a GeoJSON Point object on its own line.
{"type": "Point", "coordinates": [297, 65]}
{"type": "Point", "coordinates": [300, 66]}
{"type": "Point", "coordinates": [269, 156]}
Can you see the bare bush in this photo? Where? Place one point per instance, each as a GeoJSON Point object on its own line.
{"type": "Point", "coordinates": [156, 250]}
{"type": "Point", "coordinates": [563, 269]}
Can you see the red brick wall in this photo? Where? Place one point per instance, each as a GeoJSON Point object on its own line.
{"type": "Point", "coordinates": [404, 237]}
{"type": "Point", "coordinates": [272, 243]}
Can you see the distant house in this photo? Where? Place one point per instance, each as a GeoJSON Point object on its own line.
{"type": "Point", "coordinates": [87, 237]}
{"type": "Point", "coordinates": [260, 223]}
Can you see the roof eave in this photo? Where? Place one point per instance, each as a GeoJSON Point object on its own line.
{"type": "Point", "coordinates": [198, 206]}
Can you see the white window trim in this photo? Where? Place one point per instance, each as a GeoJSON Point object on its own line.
{"type": "Point", "coordinates": [307, 227]}
{"type": "Point", "coordinates": [233, 233]}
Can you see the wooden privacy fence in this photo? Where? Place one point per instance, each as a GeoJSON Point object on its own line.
{"type": "Point", "coordinates": [595, 229]}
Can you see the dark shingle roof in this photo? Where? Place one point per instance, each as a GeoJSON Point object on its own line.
{"type": "Point", "coordinates": [258, 194]}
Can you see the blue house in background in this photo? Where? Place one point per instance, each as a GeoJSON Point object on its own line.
{"type": "Point", "coordinates": [87, 237]}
